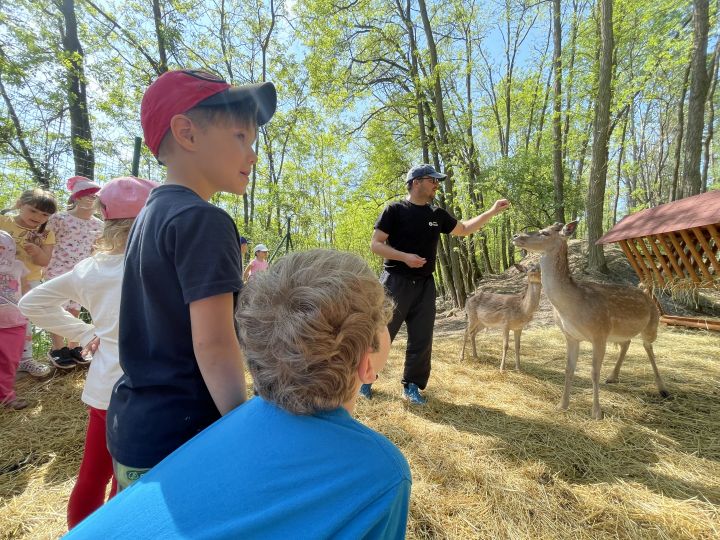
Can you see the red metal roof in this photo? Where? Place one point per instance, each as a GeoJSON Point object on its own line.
{"type": "Point", "coordinates": [695, 211]}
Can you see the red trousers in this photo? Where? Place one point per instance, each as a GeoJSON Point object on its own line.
{"type": "Point", "coordinates": [12, 341]}
{"type": "Point", "coordinates": [95, 472]}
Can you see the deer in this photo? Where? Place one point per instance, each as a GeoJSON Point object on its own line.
{"type": "Point", "coordinates": [506, 311]}
{"type": "Point", "coordinates": [593, 312]}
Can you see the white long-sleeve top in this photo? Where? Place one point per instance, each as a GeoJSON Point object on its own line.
{"type": "Point", "coordinates": [94, 283]}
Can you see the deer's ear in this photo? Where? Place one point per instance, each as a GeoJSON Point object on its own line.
{"type": "Point", "coordinates": [570, 228]}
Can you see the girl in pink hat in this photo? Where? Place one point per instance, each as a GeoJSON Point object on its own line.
{"type": "Point", "coordinates": [94, 283]}
{"type": "Point", "coordinates": [76, 231]}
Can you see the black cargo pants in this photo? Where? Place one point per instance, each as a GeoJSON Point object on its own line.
{"type": "Point", "coordinates": [415, 306]}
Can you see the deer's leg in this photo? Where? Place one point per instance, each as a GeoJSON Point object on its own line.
{"type": "Point", "coordinates": [465, 335]}
{"type": "Point", "coordinates": [506, 339]}
{"type": "Point", "coordinates": [598, 355]}
{"type": "Point", "coordinates": [573, 347]}
{"type": "Point", "coordinates": [476, 328]}
{"type": "Point", "coordinates": [658, 381]}
{"type": "Point", "coordinates": [614, 376]}
{"type": "Point", "coordinates": [518, 333]}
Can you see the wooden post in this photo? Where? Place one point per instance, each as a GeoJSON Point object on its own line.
{"type": "Point", "coordinates": [686, 262]}
{"type": "Point", "coordinates": [646, 272]}
{"type": "Point", "coordinates": [659, 256]}
{"type": "Point", "coordinates": [651, 263]}
{"type": "Point", "coordinates": [715, 235]}
{"type": "Point", "coordinates": [691, 246]}
{"type": "Point", "coordinates": [700, 235]}
{"type": "Point", "coordinates": [135, 169]}
{"type": "Point", "coordinates": [631, 258]}
{"type": "Point", "coordinates": [670, 256]}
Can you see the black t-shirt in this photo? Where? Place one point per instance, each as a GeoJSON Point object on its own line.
{"type": "Point", "coordinates": [181, 249]}
{"type": "Point", "coordinates": [413, 228]}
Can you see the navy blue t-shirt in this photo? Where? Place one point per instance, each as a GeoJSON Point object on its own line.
{"type": "Point", "coordinates": [181, 249]}
{"type": "Point", "coordinates": [414, 228]}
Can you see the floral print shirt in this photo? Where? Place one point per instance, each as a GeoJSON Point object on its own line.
{"type": "Point", "coordinates": [74, 240]}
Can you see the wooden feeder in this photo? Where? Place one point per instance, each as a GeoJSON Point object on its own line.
{"type": "Point", "coordinates": [674, 244]}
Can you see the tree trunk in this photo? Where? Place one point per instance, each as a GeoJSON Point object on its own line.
{"type": "Point", "coordinates": [558, 173]}
{"type": "Point", "coordinates": [548, 86]}
{"type": "Point", "coordinates": [80, 132]}
{"type": "Point", "coordinates": [711, 115]}
{"type": "Point", "coordinates": [162, 65]}
{"type": "Point", "coordinates": [503, 242]}
{"type": "Point", "coordinates": [674, 194]}
{"type": "Point", "coordinates": [40, 176]}
{"type": "Point", "coordinates": [618, 173]}
{"type": "Point", "coordinates": [699, 84]}
{"type": "Point", "coordinates": [406, 16]}
{"type": "Point", "coordinates": [570, 78]}
{"type": "Point", "coordinates": [598, 168]}
{"type": "Point", "coordinates": [457, 281]}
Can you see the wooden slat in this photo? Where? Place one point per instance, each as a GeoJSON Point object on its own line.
{"type": "Point", "coordinates": [660, 257]}
{"type": "Point", "coordinates": [651, 262]}
{"type": "Point", "coordinates": [691, 246]}
{"type": "Point", "coordinates": [646, 272]}
{"type": "Point", "coordinates": [631, 258]}
{"type": "Point", "coordinates": [686, 262]}
{"type": "Point", "coordinates": [670, 256]}
{"type": "Point", "coordinates": [714, 233]}
{"type": "Point", "coordinates": [700, 235]}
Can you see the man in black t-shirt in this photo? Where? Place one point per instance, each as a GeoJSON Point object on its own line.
{"type": "Point", "coordinates": [406, 235]}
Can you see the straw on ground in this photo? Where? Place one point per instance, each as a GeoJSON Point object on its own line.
{"type": "Point", "coordinates": [491, 457]}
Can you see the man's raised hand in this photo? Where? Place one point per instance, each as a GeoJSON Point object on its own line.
{"type": "Point", "coordinates": [500, 206]}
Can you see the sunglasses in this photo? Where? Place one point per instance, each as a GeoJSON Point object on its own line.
{"type": "Point", "coordinates": [204, 75]}
{"type": "Point", "coordinates": [430, 179]}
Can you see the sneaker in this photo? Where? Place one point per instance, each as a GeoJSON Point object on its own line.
{"type": "Point", "coordinates": [412, 394]}
{"type": "Point", "coordinates": [15, 405]}
{"type": "Point", "coordinates": [76, 354]}
{"type": "Point", "coordinates": [34, 368]}
{"type": "Point", "coordinates": [61, 358]}
{"type": "Point", "coordinates": [366, 391]}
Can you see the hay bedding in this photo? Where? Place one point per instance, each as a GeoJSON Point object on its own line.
{"type": "Point", "coordinates": [490, 455]}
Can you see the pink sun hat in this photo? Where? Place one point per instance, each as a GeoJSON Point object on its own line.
{"type": "Point", "coordinates": [124, 197]}
{"type": "Point", "coordinates": [79, 186]}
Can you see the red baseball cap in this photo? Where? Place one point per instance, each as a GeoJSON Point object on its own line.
{"type": "Point", "coordinates": [178, 91]}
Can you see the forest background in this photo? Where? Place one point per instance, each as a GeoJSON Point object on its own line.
{"type": "Point", "coordinates": [571, 109]}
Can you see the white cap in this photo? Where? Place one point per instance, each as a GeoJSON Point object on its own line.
{"type": "Point", "coordinates": [260, 247]}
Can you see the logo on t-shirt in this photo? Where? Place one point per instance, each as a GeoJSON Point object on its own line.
{"type": "Point", "coordinates": [433, 224]}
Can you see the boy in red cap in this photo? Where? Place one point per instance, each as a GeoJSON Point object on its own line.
{"type": "Point", "coordinates": [179, 352]}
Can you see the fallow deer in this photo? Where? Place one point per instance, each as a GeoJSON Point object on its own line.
{"type": "Point", "coordinates": [506, 311]}
{"type": "Point", "coordinates": [592, 312]}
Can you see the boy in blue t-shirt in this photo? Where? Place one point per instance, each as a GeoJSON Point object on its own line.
{"type": "Point", "coordinates": [179, 352]}
{"type": "Point", "coordinates": [292, 462]}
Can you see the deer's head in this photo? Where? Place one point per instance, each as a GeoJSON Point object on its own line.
{"type": "Point", "coordinates": [532, 272]}
{"type": "Point", "coordinates": [545, 239]}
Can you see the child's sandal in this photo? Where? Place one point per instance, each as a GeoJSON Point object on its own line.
{"type": "Point", "coordinates": [16, 404]}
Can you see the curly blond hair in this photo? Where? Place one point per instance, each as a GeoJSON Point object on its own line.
{"type": "Point", "coordinates": [305, 324]}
